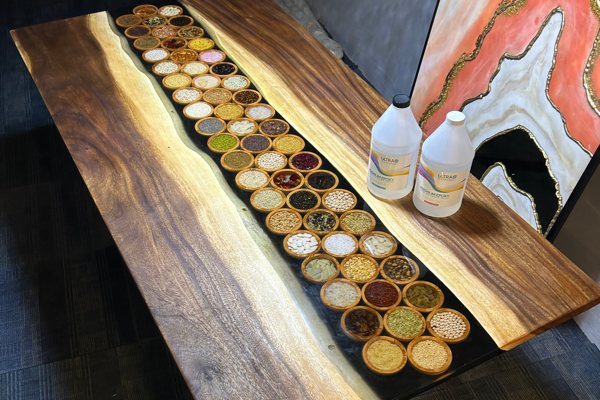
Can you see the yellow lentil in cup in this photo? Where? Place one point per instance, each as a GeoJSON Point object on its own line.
{"type": "Point", "coordinates": [201, 44]}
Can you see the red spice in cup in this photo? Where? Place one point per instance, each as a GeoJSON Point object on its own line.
{"type": "Point", "coordinates": [287, 180]}
{"type": "Point", "coordinates": [381, 294]}
{"type": "Point", "coordinates": [304, 161]}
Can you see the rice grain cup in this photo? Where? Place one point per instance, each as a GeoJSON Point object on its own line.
{"type": "Point", "coordinates": [262, 163]}
{"type": "Point", "coordinates": [165, 11]}
{"type": "Point", "coordinates": [355, 336]}
{"type": "Point", "coordinates": [348, 275]}
{"type": "Point", "coordinates": [395, 334]}
{"type": "Point", "coordinates": [197, 110]}
{"type": "Point", "coordinates": [320, 256]}
{"type": "Point", "coordinates": [347, 253]}
{"type": "Point", "coordinates": [173, 67]}
{"type": "Point", "coordinates": [176, 81]}
{"type": "Point", "coordinates": [295, 165]}
{"type": "Point", "coordinates": [332, 306]}
{"type": "Point", "coordinates": [309, 192]}
{"type": "Point", "coordinates": [206, 81]}
{"type": "Point", "coordinates": [137, 31]}
{"type": "Point", "coordinates": [412, 265]}
{"type": "Point", "coordinates": [146, 43]}
{"type": "Point", "coordinates": [128, 20]}
{"type": "Point", "coordinates": [231, 126]}
{"type": "Point", "coordinates": [287, 180]}
{"type": "Point", "coordinates": [210, 143]}
{"type": "Point", "coordinates": [213, 121]}
{"type": "Point", "coordinates": [277, 231]}
{"type": "Point", "coordinates": [311, 213]}
{"type": "Point", "coordinates": [274, 127]}
{"type": "Point", "coordinates": [422, 369]}
{"type": "Point", "coordinates": [247, 188]}
{"type": "Point", "coordinates": [236, 160]}
{"type": "Point", "coordinates": [145, 10]}
{"type": "Point", "coordinates": [373, 251]}
{"type": "Point", "coordinates": [235, 82]}
{"type": "Point", "coordinates": [178, 92]}
{"type": "Point", "coordinates": [194, 68]}
{"type": "Point", "coordinates": [376, 307]}
{"type": "Point", "coordinates": [312, 180]}
{"type": "Point", "coordinates": [259, 111]}
{"type": "Point", "coordinates": [223, 69]}
{"type": "Point", "coordinates": [155, 55]}
{"type": "Point", "coordinates": [302, 255]}
{"type": "Point", "coordinates": [447, 340]}
{"type": "Point", "coordinates": [260, 208]}
{"type": "Point", "coordinates": [406, 300]}
{"type": "Point", "coordinates": [367, 215]}
{"type": "Point", "coordinates": [288, 144]}
{"type": "Point", "coordinates": [379, 371]}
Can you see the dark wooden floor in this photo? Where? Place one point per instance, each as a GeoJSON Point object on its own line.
{"type": "Point", "coordinates": [72, 323]}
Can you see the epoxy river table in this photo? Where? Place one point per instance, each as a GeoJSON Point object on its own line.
{"type": "Point", "coordinates": [233, 309]}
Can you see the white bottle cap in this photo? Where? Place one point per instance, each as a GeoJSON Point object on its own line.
{"type": "Point", "coordinates": [455, 118]}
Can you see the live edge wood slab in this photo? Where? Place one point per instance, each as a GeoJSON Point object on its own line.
{"type": "Point", "coordinates": [230, 318]}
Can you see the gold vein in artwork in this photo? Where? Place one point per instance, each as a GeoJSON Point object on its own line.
{"type": "Point", "coordinates": [592, 96]}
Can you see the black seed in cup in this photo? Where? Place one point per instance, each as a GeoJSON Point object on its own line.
{"type": "Point", "coordinates": [274, 127]}
{"type": "Point", "coordinates": [180, 21]}
{"type": "Point", "coordinates": [321, 180]}
{"type": "Point", "coordinates": [303, 200]}
{"type": "Point", "coordinates": [223, 69]}
{"type": "Point", "coordinates": [246, 97]}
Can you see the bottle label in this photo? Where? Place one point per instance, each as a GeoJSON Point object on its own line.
{"type": "Point", "coordinates": [389, 172]}
{"type": "Point", "coordinates": [438, 188]}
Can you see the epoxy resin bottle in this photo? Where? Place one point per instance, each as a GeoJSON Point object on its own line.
{"type": "Point", "coordinates": [444, 167]}
{"type": "Point", "coordinates": [395, 141]}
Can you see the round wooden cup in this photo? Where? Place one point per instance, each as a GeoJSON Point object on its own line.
{"type": "Point", "coordinates": [200, 84]}
{"type": "Point", "coordinates": [128, 31]}
{"type": "Point", "coordinates": [414, 266]}
{"type": "Point", "coordinates": [170, 63]}
{"type": "Point", "coordinates": [383, 371]}
{"type": "Point", "coordinates": [271, 169]}
{"type": "Point", "coordinates": [161, 21]}
{"type": "Point", "coordinates": [226, 85]}
{"type": "Point", "coordinates": [428, 371]}
{"type": "Point", "coordinates": [340, 233]}
{"type": "Point", "coordinates": [165, 81]}
{"type": "Point", "coordinates": [164, 8]}
{"type": "Point", "coordinates": [186, 32]}
{"type": "Point", "coordinates": [299, 191]}
{"type": "Point", "coordinates": [344, 271]}
{"type": "Point", "coordinates": [286, 171]}
{"type": "Point", "coordinates": [183, 56]}
{"type": "Point", "coordinates": [277, 144]}
{"type": "Point", "coordinates": [354, 336]}
{"type": "Point", "coordinates": [173, 43]}
{"type": "Point", "coordinates": [346, 228]}
{"type": "Point", "coordinates": [202, 57]}
{"type": "Point", "coordinates": [298, 255]}
{"type": "Point", "coordinates": [437, 335]}
{"type": "Point", "coordinates": [236, 169]}
{"type": "Point", "coordinates": [338, 210]}
{"type": "Point", "coordinates": [379, 308]}
{"type": "Point", "coordinates": [396, 335]}
{"type": "Point", "coordinates": [230, 126]}
{"type": "Point", "coordinates": [218, 151]}
{"type": "Point", "coordinates": [146, 43]}
{"type": "Point", "coordinates": [187, 68]}
{"type": "Point", "coordinates": [203, 133]}
{"type": "Point", "coordinates": [249, 109]}
{"type": "Point", "coordinates": [262, 209]}
{"type": "Point", "coordinates": [245, 138]}
{"type": "Point", "coordinates": [245, 188]}
{"type": "Point", "coordinates": [212, 69]}
{"type": "Point", "coordinates": [321, 171]}
{"type": "Point", "coordinates": [216, 96]}
{"type": "Point", "coordinates": [175, 98]}
{"type": "Point", "coordinates": [277, 231]}
{"type": "Point", "coordinates": [292, 166]}
{"type": "Point", "coordinates": [320, 256]}
{"type": "Point", "coordinates": [320, 211]}
{"type": "Point", "coordinates": [287, 129]}
{"type": "Point", "coordinates": [365, 250]}
{"type": "Point", "coordinates": [188, 21]}
{"type": "Point", "coordinates": [425, 310]}
{"type": "Point", "coordinates": [128, 20]}
{"type": "Point", "coordinates": [201, 44]}
{"type": "Point", "coordinates": [219, 111]}
{"type": "Point", "coordinates": [164, 31]}
{"type": "Point", "coordinates": [144, 10]}
{"type": "Point", "coordinates": [332, 306]}
{"type": "Point", "coordinates": [193, 117]}
{"type": "Point", "coordinates": [145, 55]}
{"type": "Point", "coordinates": [239, 92]}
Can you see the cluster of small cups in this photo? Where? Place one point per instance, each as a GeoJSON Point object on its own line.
{"type": "Point", "coordinates": [270, 163]}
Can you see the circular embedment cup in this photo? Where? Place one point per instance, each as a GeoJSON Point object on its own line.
{"type": "Point", "coordinates": [357, 222]}
{"type": "Point", "coordinates": [237, 160]}
{"type": "Point", "coordinates": [384, 355]}
{"type": "Point", "coordinates": [320, 221]}
{"type": "Point", "coordinates": [301, 244]}
{"type": "Point", "coordinates": [320, 268]}
{"type": "Point", "coordinates": [423, 296]}
{"type": "Point", "coordinates": [359, 268]}
{"type": "Point", "coordinates": [267, 199]}
{"type": "Point", "coordinates": [438, 324]}
{"type": "Point", "coordinates": [242, 126]}
{"type": "Point", "coordinates": [252, 179]}
{"type": "Point", "coordinates": [399, 270]}
{"type": "Point", "coordinates": [303, 200]}
{"type": "Point", "coordinates": [404, 323]}
{"type": "Point", "coordinates": [287, 180]}
{"type": "Point", "coordinates": [420, 354]}
{"type": "Point", "coordinates": [378, 244]}
{"type": "Point", "coordinates": [283, 221]}
{"type": "Point", "coordinates": [210, 126]}
{"type": "Point", "coordinates": [305, 161]}
{"type": "Point", "coordinates": [288, 144]}
{"type": "Point", "coordinates": [321, 180]}
{"type": "Point", "coordinates": [361, 323]}
{"type": "Point", "coordinates": [274, 127]}
{"type": "Point", "coordinates": [381, 294]}
{"type": "Point", "coordinates": [340, 294]}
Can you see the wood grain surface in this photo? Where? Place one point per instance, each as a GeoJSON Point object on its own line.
{"type": "Point", "coordinates": [513, 281]}
{"type": "Point", "coordinates": [233, 326]}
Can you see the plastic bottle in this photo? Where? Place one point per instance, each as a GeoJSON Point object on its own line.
{"type": "Point", "coordinates": [395, 140]}
{"type": "Point", "coordinates": [444, 167]}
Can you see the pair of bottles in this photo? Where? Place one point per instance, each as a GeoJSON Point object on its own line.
{"type": "Point", "coordinates": [443, 168]}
